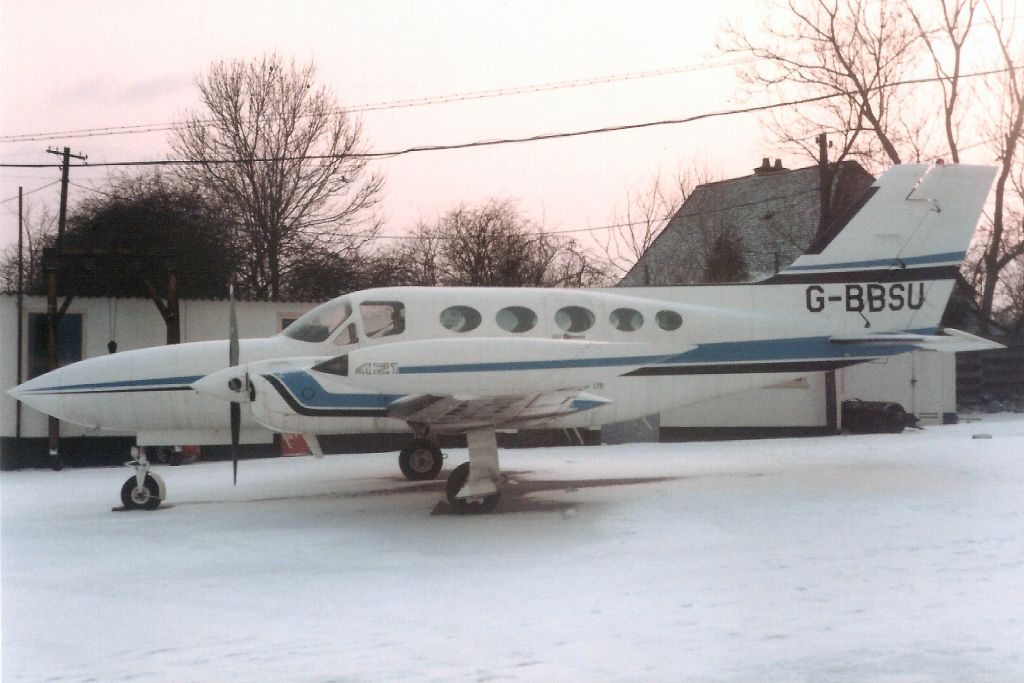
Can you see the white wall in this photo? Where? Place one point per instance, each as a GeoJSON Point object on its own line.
{"type": "Point", "coordinates": [800, 403]}
{"type": "Point", "coordinates": [923, 382]}
{"type": "Point", "coordinates": [135, 323]}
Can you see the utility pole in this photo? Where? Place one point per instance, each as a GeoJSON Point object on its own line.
{"type": "Point", "coordinates": [66, 157]}
{"type": "Point", "coordinates": [21, 307]}
{"type": "Point", "coordinates": [52, 315]}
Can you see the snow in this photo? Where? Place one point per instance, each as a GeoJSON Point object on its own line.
{"type": "Point", "coordinates": [852, 558]}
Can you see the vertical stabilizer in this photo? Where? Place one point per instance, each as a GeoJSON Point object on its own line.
{"type": "Point", "coordinates": [917, 219]}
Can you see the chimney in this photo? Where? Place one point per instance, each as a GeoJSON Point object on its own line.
{"type": "Point", "coordinates": [766, 167]}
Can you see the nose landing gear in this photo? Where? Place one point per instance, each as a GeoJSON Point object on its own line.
{"type": "Point", "coordinates": [144, 490]}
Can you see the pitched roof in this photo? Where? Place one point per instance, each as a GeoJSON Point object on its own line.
{"type": "Point", "coordinates": [774, 215]}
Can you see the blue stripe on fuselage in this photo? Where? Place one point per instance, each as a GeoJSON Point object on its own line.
{"type": "Point", "coordinates": [141, 384]}
{"type": "Point", "coordinates": [505, 366]}
{"type": "Point", "coordinates": [949, 257]}
{"type": "Point", "coordinates": [310, 393]}
{"type": "Point", "coordinates": [766, 350]}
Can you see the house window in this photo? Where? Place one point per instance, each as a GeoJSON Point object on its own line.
{"type": "Point", "coordinates": [286, 320]}
{"type": "Point", "coordinates": [69, 342]}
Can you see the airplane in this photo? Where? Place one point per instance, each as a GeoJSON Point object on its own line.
{"type": "Point", "coordinates": [440, 360]}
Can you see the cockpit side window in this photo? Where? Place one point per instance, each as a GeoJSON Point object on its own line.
{"type": "Point", "coordinates": [347, 336]}
{"type": "Point", "coordinates": [321, 322]}
{"type": "Point", "coordinates": [382, 318]}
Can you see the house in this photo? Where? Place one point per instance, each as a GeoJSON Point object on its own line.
{"type": "Point", "coordinates": [770, 217]}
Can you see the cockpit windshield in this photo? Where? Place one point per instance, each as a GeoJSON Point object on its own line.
{"type": "Point", "coordinates": [318, 324]}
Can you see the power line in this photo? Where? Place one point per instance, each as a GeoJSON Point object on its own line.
{"type": "Point", "coordinates": [391, 104]}
{"type": "Point", "coordinates": [519, 140]}
{"type": "Point", "coordinates": [25, 194]}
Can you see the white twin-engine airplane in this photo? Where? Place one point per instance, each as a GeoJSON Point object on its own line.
{"type": "Point", "coordinates": [475, 360]}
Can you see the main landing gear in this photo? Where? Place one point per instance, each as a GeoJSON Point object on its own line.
{"type": "Point", "coordinates": [421, 460]}
{"type": "Point", "coordinates": [144, 490]}
{"type": "Point", "coordinates": [472, 487]}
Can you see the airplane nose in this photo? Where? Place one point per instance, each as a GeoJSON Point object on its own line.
{"type": "Point", "coordinates": [44, 393]}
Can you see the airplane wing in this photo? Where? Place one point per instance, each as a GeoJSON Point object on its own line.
{"type": "Point", "coordinates": [455, 413]}
{"type": "Point", "coordinates": [950, 341]}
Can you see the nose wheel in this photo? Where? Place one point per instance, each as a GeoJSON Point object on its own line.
{"type": "Point", "coordinates": [144, 490]}
{"type": "Point", "coordinates": [145, 497]}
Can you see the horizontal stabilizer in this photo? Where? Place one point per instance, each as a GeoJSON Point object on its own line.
{"type": "Point", "coordinates": [950, 341]}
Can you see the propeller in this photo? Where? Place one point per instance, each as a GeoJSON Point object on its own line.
{"type": "Point", "coordinates": [236, 408]}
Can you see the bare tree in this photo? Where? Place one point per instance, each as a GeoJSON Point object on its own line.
{"type": "Point", "coordinates": [493, 245]}
{"type": "Point", "coordinates": [646, 214]}
{"type": "Point", "coordinates": [853, 54]}
{"type": "Point", "coordinates": [40, 232]}
{"type": "Point", "coordinates": [1004, 239]}
{"type": "Point", "coordinates": [947, 57]}
{"type": "Point", "coordinates": [277, 151]}
{"type": "Point", "coordinates": [861, 51]}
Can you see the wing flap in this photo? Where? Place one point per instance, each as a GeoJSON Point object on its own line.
{"type": "Point", "coordinates": [452, 413]}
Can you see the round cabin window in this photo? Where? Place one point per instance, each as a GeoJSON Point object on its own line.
{"type": "Point", "coordinates": [460, 318]}
{"type": "Point", "coordinates": [669, 320]}
{"type": "Point", "coordinates": [574, 319]}
{"type": "Point", "coordinates": [516, 319]}
{"type": "Point", "coordinates": [626, 319]}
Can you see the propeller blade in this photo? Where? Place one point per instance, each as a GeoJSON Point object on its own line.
{"type": "Point", "coordinates": [236, 423]}
{"type": "Point", "coordinates": [232, 328]}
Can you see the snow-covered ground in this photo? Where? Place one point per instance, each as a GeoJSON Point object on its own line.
{"type": "Point", "coordinates": [867, 558]}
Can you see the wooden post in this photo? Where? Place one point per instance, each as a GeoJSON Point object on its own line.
{"type": "Point", "coordinates": [173, 320]}
{"type": "Point", "coordinates": [53, 432]}
{"type": "Point", "coordinates": [21, 312]}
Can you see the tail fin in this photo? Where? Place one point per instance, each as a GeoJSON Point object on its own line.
{"type": "Point", "coordinates": [915, 218]}
{"type": "Point", "coordinates": [894, 260]}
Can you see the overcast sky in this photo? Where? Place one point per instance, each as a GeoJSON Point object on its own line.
{"type": "Point", "coordinates": [72, 65]}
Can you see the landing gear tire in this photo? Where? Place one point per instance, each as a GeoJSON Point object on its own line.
{"type": "Point", "coordinates": [145, 497]}
{"type": "Point", "coordinates": [421, 460]}
{"type": "Point", "coordinates": [461, 506]}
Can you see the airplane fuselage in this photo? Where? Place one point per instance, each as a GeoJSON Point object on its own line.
{"type": "Point", "coordinates": [642, 350]}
